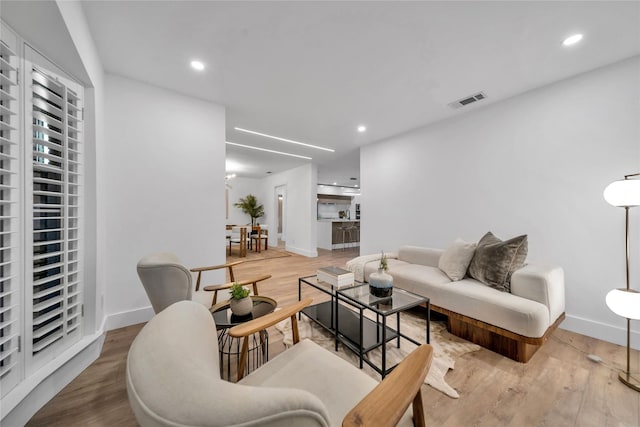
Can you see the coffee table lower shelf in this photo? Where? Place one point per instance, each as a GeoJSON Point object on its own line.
{"type": "Point", "coordinates": [349, 325]}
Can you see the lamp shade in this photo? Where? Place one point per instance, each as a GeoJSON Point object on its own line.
{"type": "Point", "coordinates": [624, 302]}
{"type": "Point", "coordinates": [624, 193]}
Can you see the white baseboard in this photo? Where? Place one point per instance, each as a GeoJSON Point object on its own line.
{"type": "Point", "coordinates": [616, 334]}
{"type": "Point", "coordinates": [35, 391]}
{"type": "Point", "coordinates": [303, 252]}
{"type": "Point", "coordinates": [127, 318]}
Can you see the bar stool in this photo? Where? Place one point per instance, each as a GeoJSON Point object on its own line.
{"type": "Point", "coordinates": [345, 229]}
{"type": "Point", "coordinates": [354, 235]}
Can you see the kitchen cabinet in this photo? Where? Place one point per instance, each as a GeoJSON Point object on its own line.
{"type": "Point", "coordinates": [330, 237]}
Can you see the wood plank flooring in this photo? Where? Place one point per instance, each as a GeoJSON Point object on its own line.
{"type": "Point", "coordinates": [558, 387]}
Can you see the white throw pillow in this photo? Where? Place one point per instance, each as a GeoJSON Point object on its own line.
{"type": "Point", "coordinates": [455, 261]}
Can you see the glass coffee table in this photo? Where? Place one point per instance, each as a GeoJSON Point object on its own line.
{"type": "Point", "coordinates": [323, 312]}
{"type": "Point", "coordinates": [229, 347]}
{"type": "Point", "coordinates": [371, 334]}
{"type": "Point", "coordinates": [359, 333]}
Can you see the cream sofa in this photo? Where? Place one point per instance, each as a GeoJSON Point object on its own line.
{"type": "Point", "coordinates": [514, 324]}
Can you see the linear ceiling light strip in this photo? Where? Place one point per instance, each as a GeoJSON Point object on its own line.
{"type": "Point", "coordinates": [268, 151]}
{"type": "Point", "coordinates": [285, 140]}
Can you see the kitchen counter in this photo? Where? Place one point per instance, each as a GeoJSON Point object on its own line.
{"type": "Point", "coordinates": [329, 237]}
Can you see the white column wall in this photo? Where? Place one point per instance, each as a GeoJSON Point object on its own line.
{"type": "Point", "coordinates": [164, 183]}
{"type": "Point", "coordinates": [535, 164]}
{"type": "Point", "coordinates": [301, 223]}
{"type": "Point", "coordinates": [94, 126]}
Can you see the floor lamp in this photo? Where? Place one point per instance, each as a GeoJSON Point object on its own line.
{"type": "Point", "coordinates": [625, 302]}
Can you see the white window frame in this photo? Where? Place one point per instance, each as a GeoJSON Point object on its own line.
{"type": "Point", "coordinates": [66, 319]}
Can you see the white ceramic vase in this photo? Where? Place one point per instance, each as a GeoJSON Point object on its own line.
{"type": "Point", "coordinates": [381, 284]}
{"type": "Point", "coordinates": [241, 307]}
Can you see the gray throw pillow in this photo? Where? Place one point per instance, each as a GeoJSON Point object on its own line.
{"type": "Point", "coordinates": [495, 260]}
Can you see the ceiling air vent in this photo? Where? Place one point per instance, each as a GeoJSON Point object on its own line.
{"type": "Point", "coordinates": [468, 100]}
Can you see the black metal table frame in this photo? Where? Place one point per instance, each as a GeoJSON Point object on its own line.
{"type": "Point", "coordinates": [359, 349]}
{"type": "Point", "coordinates": [324, 314]}
{"type": "Point", "coordinates": [229, 347]}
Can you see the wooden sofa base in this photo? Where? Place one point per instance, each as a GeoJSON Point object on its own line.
{"type": "Point", "coordinates": [506, 343]}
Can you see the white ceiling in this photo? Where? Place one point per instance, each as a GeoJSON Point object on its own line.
{"type": "Point", "coordinates": [313, 71]}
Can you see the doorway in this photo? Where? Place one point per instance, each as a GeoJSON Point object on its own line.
{"type": "Point", "coordinates": [281, 213]}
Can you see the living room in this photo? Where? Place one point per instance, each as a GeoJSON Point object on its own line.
{"type": "Point", "coordinates": [535, 162]}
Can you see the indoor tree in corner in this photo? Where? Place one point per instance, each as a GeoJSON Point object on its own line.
{"type": "Point", "coordinates": [250, 206]}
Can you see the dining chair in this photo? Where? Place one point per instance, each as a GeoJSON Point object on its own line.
{"type": "Point", "coordinates": [258, 234]}
{"type": "Point", "coordinates": [239, 237]}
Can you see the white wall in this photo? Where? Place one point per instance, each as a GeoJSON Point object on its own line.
{"type": "Point", "coordinates": [94, 145]}
{"type": "Point", "coordinates": [535, 164]}
{"type": "Point", "coordinates": [301, 184]}
{"type": "Point", "coordinates": [242, 187]}
{"type": "Point", "coordinates": [164, 183]}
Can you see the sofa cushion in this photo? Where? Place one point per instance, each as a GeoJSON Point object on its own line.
{"type": "Point", "coordinates": [392, 265]}
{"type": "Point", "coordinates": [420, 255]}
{"type": "Point", "coordinates": [504, 310]}
{"type": "Point", "coordinates": [475, 300]}
{"type": "Point", "coordinates": [495, 260]}
{"type": "Point", "coordinates": [430, 282]}
{"type": "Point", "coordinates": [455, 260]}
{"type": "Point", "coordinates": [305, 366]}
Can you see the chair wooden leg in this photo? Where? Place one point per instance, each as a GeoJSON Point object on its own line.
{"type": "Point", "coordinates": [418, 411]}
{"type": "Point", "coordinates": [243, 357]}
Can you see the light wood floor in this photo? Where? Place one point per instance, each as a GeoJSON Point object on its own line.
{"type": "Point", "coordinates": [558, 387]}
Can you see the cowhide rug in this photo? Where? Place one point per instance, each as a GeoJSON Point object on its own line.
{"type": "Point", "coordinates": [446, 347]}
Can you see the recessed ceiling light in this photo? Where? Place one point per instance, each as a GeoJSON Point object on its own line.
{"type": "Point", "coordinates": [284, 139]}
{"type": "Point", "coordinates": [268, 151]}
{"type": "Point", "coordinates": [335, 183]}
{"type": "Point", "coordinates": [197, 65]}
{"type": "Point", "coordinates": [572, 40]}
{"type": "Point", "coordinates": [362, 128]}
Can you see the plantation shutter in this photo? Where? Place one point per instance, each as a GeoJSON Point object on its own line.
{"type": "Point", "coordinates": [56, 180]}
{"type": "Point", "coordinates": [41, 211]}
{"type": "Point", "coordinates": [10, 265]}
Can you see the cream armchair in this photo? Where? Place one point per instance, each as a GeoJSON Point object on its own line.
{"type": "Point", "coordinates": [166, 281]}
{"type": "Point", "coordinates": [173, 379]}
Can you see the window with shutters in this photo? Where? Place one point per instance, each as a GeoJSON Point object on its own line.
{"type": "Point", "coordinates": [41, 212]}
{"type": "Point", "coordinates": [55, 178]}
{"type": "Point", "coordinates": [10, 224]}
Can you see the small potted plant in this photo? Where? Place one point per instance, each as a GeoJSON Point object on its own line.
{"type": "Point", "coordinates": [240, 303]}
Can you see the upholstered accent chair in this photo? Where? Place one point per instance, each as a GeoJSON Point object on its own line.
{"type": "Point", "coordinates": [173, 379]}
{"type": "Point", "coordinates": [166, 281]}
